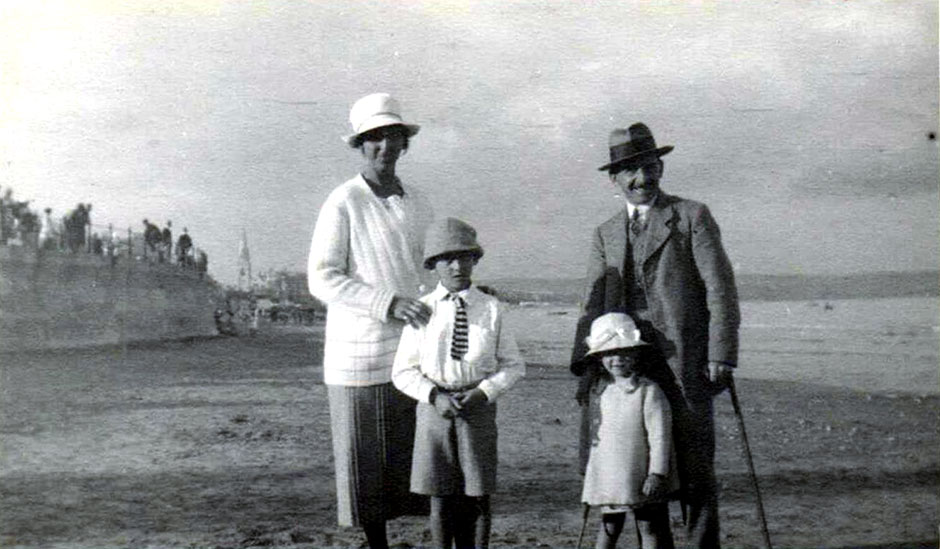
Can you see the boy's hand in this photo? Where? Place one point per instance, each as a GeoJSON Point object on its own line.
{"type": "Point", "coordinates": [654, 486]}
{"type": "Point", "coordinates": [445, 405]}
{"type": "Point", "coordinates": [468, 400]}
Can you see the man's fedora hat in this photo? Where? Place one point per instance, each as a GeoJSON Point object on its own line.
{"type": "Point", "coordinates": [631, 144]}
{"type": "Point", "coordinates": [447, 237]}
{"type": "Point", "coordinates": [375, 111]}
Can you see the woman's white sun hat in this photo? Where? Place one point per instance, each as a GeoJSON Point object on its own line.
{"type": "Point", "coordinates": [375, 111]}
{"type": "Point", "coordinates": [613, 331]}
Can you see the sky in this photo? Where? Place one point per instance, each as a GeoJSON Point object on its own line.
{"type": "Point", "coordinates": [805, 126]}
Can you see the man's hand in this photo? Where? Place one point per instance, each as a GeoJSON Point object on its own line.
{"type": "Point", "coordinates": [654, 486]}
{"type": "Point", "coordinates": [720, 375]}
{"type": "Point", "coordinates": [445, 405]}
{"type": "Point", "coordinates": [409, 310]}
{"type": "Point", "coordinates": [469, 400]}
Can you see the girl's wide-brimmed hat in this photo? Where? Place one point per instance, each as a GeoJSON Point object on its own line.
{"type": "Point", "coordinates": [613, 331]}
{"type": "Point", "coordinates": [375, 111]}
{"type": "Point", "coordinates": [631, 144]}
{"type": "Point", "coordinates": [447, 237]}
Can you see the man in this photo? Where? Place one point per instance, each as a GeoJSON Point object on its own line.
{"type": "Point", "coordinates": [183, 245]}
{"type": "Point", "coordinates": [661, 261]}
{"type": "Point", "coordinates": [167, 243]}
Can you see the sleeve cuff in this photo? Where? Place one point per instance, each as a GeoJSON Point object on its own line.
{"type": "Point", "coordinates": [489, 390]}
{"type": "Point", "coordinates": [381, 305]}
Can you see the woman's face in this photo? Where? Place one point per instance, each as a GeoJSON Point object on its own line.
{"type": "Point", "coordinates": [381, 148]}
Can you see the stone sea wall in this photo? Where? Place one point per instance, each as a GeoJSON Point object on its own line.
{"type": "Point", "coordinates": [55, 300]}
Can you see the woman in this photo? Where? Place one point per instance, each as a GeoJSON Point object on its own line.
{"type": "Point", "coordinates": [365, 264]}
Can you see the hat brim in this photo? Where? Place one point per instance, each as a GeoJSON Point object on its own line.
{"type": "Point", "coordinates": [652, 152]}
{"type": "Point", "coordinates": [381, 122]}
{"type": "Point", "coordinates": [432, 259]}
{"type": "Point", "coordinates": [614, 346]}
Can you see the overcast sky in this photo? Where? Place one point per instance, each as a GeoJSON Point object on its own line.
{"type": "Point", "coordinates": [805, 126]}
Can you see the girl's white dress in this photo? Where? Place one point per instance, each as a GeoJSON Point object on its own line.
{"type": "Point", "coordinates": [632, 440]}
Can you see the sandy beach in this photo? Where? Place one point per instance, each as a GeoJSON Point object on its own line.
{"type": "Point", "coordinates": [225, 442]}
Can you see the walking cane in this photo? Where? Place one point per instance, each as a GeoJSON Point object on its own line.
{"type": "Point", "coordinates": [750, 462]}
{"type": "Point", "coordinates": [587, 509]}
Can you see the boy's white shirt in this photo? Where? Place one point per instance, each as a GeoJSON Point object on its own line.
{"type": "Point", "coordinates": [423, 359]}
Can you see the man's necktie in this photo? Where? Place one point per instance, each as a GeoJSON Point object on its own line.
{"type": "Point", "coordinates": [637, 222]}
{"type": "Point", "coordinates": [458, 346]}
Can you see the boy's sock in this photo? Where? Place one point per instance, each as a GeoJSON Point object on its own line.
{"type": "Point", "coordinates": [474, 519]}
{"type": "Point", "coordinates": [442, 520]}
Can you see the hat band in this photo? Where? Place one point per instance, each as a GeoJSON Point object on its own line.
{"type": "Point", "coordinates": [627, 150]}
{"type": "Point", "coordinates": [364, 123]}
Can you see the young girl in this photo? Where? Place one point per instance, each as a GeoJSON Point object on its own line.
{"type": "Point", "coordinates": [630, 464]}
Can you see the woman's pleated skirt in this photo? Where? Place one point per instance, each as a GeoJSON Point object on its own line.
{"type": "Point", "coordinates": [373, 435]}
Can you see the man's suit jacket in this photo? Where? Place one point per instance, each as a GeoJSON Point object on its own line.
{"type": "Point", "coordinates": [689, 286]}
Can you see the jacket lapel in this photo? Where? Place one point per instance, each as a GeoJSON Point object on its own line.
{"type": "Point", "coordinates": [659, 226]}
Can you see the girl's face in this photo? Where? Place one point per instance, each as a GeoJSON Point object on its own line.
{"type": "Point", "coordinates": [620, 363]}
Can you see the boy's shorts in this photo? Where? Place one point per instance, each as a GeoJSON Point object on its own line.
{"type": "Point", "coordinates": [454, 456]}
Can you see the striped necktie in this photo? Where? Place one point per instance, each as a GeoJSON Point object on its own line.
{"type": "Point", "coordinates": [458, 345]}
{"type": "Point", "coordinates": [637, 222]}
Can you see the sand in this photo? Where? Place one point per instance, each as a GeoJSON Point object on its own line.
{"type": "Point", "coordinates": [225, 442]}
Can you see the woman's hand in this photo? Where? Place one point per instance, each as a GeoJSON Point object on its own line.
{"type": "Point", "coordinates": [409, 310]}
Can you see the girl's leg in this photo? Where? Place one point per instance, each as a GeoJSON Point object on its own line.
{"type": "Point", "coordinates": [376, 535]}
{"type": "Point", "coordinates": [442, 521]}
{"type": "Point", "coordinates": [473, 523]}
{"type": "Point", "coordinates": [609, 532]}
{"type": "Point", "coordinates": [652, 525]}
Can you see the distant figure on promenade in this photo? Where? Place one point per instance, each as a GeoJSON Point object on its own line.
{"type": "Point", "coordinates": [183, 246]}
{"type": "Point", "coordinates": [153, 239]}
{"type": "Point", "coordinates": [48, 239]}
{"type": "Point", "coordinates": [167, 238]}
{"type": "Point", "coordinates": [202, 263]}
{"type": "Point", "coordinates": [111, 244]}
{"type": "Point", "coordinates": [365, 264]}
{"type": "Point", "coordinates": [75, 222]}
{"type": "Point", "coordinates": [661, 261]}
{"type": "Point", "coordinates": [97, 244]}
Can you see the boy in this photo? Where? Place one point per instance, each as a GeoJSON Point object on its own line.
{"type": "Point", "coordinates": [455, 367]}
{"type": "Point", "coordinates": [631, 462]}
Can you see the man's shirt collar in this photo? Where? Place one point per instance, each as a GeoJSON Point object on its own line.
{"type": "Point", "coordinates": [644, 208]}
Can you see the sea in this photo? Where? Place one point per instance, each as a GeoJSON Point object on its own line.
{"type": "Point", "coordinates": [879, 345]}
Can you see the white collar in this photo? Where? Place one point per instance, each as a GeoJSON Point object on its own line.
{"type": "Point", "coordinates": [441, 293]}
{"type": "Point", "coordinates": [644, 208]}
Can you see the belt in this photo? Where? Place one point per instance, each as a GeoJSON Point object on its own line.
{"type": "Point", "coordinates": [456, 388]}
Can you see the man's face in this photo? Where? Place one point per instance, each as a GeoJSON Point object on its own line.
{"type": "Point", "coordinates": [640, 181]}
{"type": "Point", "coordinates": [455, 270]}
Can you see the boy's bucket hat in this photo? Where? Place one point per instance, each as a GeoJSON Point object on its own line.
{"type": "Point", "coordinates": [631, 144]}
{"type": "Point", "coordinates": [450, 236]}
{"type": "Point", "coordinates": [375, 111]}
{"type": "Point", "coordinates": [613, 331]}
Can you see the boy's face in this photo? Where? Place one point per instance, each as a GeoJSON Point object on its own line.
{"type": "Point", "coordinates": [622, 362]}
{"type": "Point", "coordinates": [455, 270]}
